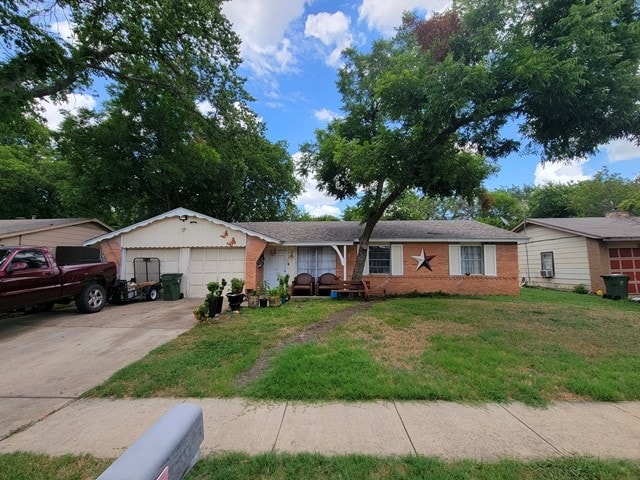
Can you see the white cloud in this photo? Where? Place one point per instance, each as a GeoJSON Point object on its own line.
{"type": "Point", "coordinates": [385, 16]}
{"type": "Point", "coordinates": [322, 210]}
{"type": "Point", "coordinates": [312, 200]}
{"type": "Point", "coordinates": [53, 112]}
{"type": "Point", "coordinates": [333, 31]}
{"type": "Point", "coordinates": [262, 26]}
{"type": "Point", "coordinates": [620, 150]}
{"type": "Point", "coordinates": [560, 172]}
{"type": "Point", "coordinates": [325, 115]}
{"type": "Point", "coordinates": [65, 31]}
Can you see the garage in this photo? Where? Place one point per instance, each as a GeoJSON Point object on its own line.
{"type": "Point", "coordinates": [201, 248]}
{"type": "Point", "coordinates": [208, 264]}
{"type": "Point", "coordinates": [626, 261]}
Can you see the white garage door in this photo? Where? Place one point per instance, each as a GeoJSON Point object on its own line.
{"type": "Point", "coordinates": [169, 259]}
{"type": "Point", "coordinates": [214, 264]}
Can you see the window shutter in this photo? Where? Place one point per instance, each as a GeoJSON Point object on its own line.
{"type": "Point", "coordinates": [454, 259]}
{"type": "Point", "coordinates": [490, 266]}
{"type": "Point", "coordinates": [397, 263]}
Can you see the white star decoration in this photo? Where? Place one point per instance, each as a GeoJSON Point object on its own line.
{"type": "Point", "coordinates": [423, 260]}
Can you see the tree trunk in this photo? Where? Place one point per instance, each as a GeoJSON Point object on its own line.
{"type": "Point", "coordinates": [370, 224]}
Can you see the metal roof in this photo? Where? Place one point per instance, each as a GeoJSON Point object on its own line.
{"type": "Point", "coordinates": [600, 228]}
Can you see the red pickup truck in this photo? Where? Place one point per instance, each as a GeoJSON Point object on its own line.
{"type": "Point", "coordinates": [30, 280]}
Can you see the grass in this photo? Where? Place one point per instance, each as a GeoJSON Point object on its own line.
{"type": "Point", "coordinates": [535, 348]}
{"type": "Point", "coordinates": [29, 466]}
{"type": "Point", "coordinates": [22, 466]}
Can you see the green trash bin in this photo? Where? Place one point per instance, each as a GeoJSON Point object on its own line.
{"type": "Point", "coordinates": [171, 286]}
{"type": "Point", "coordinates": [616, 286]}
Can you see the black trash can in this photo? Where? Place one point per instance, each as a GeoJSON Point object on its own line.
{"type": "Point", "coordinates": [171, 286]}
{"type": "Point", "coordinates": [616, 286]}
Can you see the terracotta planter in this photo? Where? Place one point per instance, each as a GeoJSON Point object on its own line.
{"type": "Point", "coordinates": [274, 301]}
{"type": "Point", "coordinates": [252, 301]}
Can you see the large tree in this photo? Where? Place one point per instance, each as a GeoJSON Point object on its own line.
{"type": "Point", "coordinates": [186, 48]}
{"type": "Point", "coordinates": [176, 129]}
{"type": "Point", "coordinates": [425, 109]}
{"type": "Point", "coordinates": [145, 154]}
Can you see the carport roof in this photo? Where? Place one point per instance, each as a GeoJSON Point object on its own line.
{"type": "Point", "coordinates": [347, 233]}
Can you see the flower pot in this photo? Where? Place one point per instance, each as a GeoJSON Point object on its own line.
{"type": "Point", "coordinates": [215, 306]}
{"type": "Point", "coordinates": [235, 299]}
{"type": "Point", "coordinates": [252, 300]}
{"type": "Point", "coordinates": [274, 301]}
{"type": "Point", "coordinates": [264, 302]}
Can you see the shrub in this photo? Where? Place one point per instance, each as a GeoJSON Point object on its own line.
{"type": "Point", "coordinates": [581, 289]}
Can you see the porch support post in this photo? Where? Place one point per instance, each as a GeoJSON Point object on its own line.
{"type": "Point", "coordinates": [343, 259]}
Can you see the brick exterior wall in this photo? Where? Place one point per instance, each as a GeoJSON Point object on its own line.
{"type": "Point", "coordinates": [254, 274]}
{"type": "Point", "coordinates": [425, 281]}
{"type": "Point", "coordinates": [112, 252]}
{"type": "Point", "coordinates": [598, 258]}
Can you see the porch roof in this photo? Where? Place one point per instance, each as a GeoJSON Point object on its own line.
{"type": "Point", "coordinates": [400, 231]}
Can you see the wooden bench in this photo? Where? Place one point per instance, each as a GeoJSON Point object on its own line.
{"type": "Point", "coordinates": [351, 288]}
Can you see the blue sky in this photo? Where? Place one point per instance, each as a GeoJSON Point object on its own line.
{"type": "Point", "coordinates": [291, 51]}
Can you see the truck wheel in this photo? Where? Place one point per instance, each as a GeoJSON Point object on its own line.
{"type": "Point", "coordinates": [152, 294]}
{"type": "Point", "coordinates": [91, 298]}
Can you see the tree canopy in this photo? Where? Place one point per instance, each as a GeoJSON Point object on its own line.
{"type": "Point", "coordinates": [425, 110]}
{"type": "Point", "coordinates": [186, 48]}
{"type": "Point", "coordinates": [176, 129]}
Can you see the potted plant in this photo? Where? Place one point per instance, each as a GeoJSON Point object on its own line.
{"type": "Point", "coordinates": [263, 292]}
{"type": "Point", "coordinates": [236, 297]}
{"type": "Point", "coordinates": [214, 297]}
{"type": "Point", "coordinates": [252, 298]}
{"type": "Point", "coordinates": [201, 312]}
{"type": "Point", "coordinates": [274, 297]}
{"type": "Point", "coordinates": [283, 288]}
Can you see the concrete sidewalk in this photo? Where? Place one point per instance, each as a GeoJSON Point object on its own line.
{"type": "Point", "coordinates": [105, 428]}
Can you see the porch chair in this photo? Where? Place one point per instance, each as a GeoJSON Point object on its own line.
{"type": "Point", "coordinates": [325, 284]}
{"type": "Point", "coordinates": [302, 284]}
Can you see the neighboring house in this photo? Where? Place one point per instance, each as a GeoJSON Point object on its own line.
{"type": "Point", "coordinates": [52, 233]}
{"type": "Point", "coordinates": [457, 256]}
{"type": "Point", "coordinates": [564, 252]}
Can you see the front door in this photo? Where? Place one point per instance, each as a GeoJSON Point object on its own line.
{"type": "Point", "coordinates": [275, 262]}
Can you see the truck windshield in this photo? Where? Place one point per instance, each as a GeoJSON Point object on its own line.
{"type": "Point", "coordinates": [3, 254]}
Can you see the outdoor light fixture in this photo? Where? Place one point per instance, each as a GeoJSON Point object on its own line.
{"type": "Point", "coordinates": [183, 218]}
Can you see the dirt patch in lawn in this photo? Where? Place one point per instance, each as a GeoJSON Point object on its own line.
{"type": "Point", "coordinates": [401, 347]}
{"type": "Point", "coordinates": [309, 334]}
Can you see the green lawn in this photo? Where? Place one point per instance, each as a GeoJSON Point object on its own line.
{"type": "Point", "coordinates": [22, 466]}
{"type": "Point", "coordinates": [535, 348]}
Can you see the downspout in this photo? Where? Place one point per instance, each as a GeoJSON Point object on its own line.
{"type": "Point", "coordinates": [526, 252]}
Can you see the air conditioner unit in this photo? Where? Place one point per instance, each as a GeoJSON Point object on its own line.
{"type": "Point", "coordinates": [546, 273]}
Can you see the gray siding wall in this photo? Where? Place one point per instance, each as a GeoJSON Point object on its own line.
{"type": "Point", "coordinates": [571, 265]}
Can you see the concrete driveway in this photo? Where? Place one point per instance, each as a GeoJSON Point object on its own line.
{"type": "Point", "coordinates": [49, 359]}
